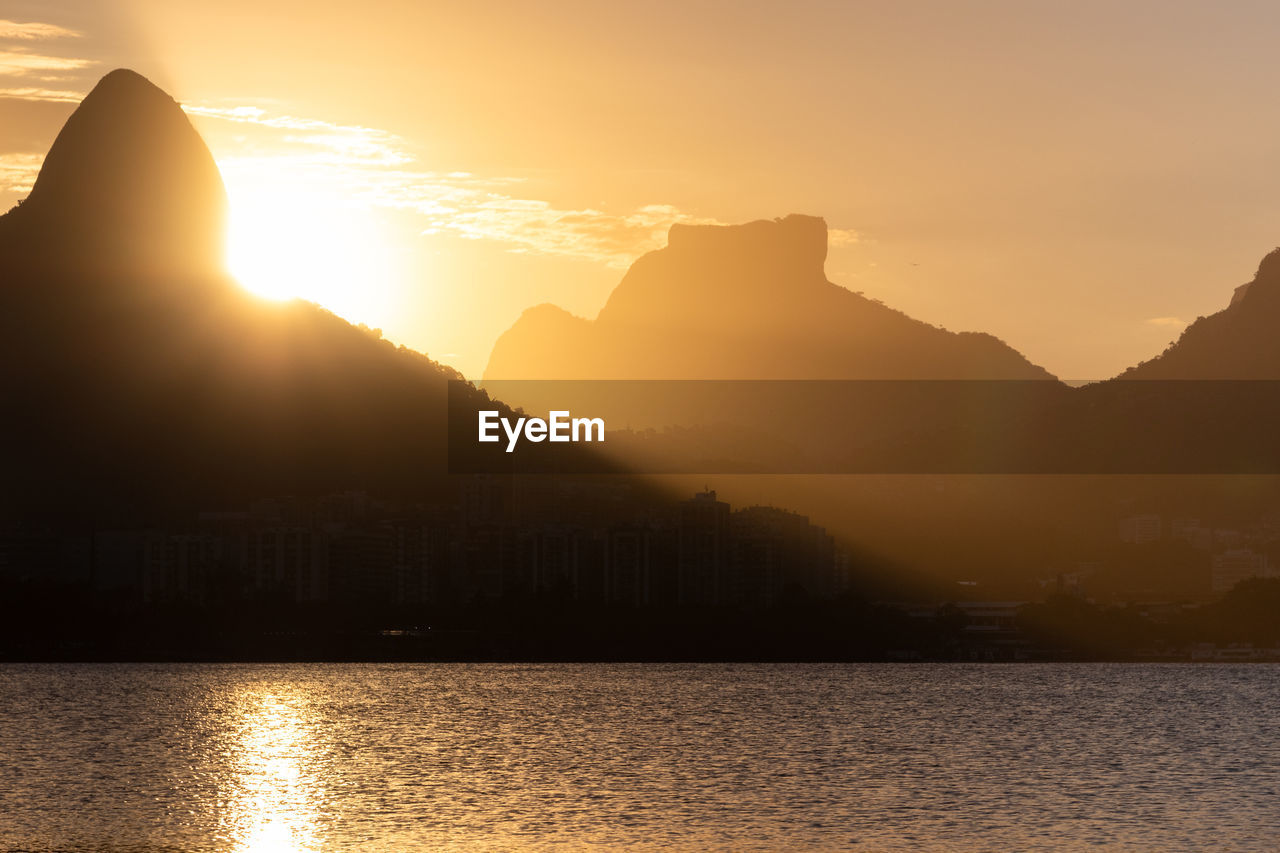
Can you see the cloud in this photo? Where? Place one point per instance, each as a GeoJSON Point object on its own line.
{"type": "Point", "coordinates": [374, 167]}
{"type": "Point", "coordinates": [19, 64]}
{"type": "Point", "coordinates": [369, 165]}
{"type": "Point", "coordinates": [34, 31]}
{"type": "Point", "coordinates": [614, 239]}
{"type": "Point", "coordinates": [1168, 322]}
{"type": "Point", "coordinates": [329, 143]}
{"type": "Point", "coordinates": [31, 93]}
{"type": "Point", "coordinates": [18, 172]}
{"type": "Point", "coordinates": [841, 237]}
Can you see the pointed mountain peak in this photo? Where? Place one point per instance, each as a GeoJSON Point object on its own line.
{"type": "Point", "coordinates": [129, 185]}
{"type": "Point", "coordinates": [125, 83]}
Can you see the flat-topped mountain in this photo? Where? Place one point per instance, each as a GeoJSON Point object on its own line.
{"type": "Point", "coordinates": [745, 301]}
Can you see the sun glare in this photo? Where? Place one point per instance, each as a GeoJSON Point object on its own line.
{"type": "Point", "coordinates": [289, 241]}
{"type": "Point", "coordinates": [275, 802]}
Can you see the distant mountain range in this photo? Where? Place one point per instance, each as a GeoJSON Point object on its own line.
{"type": "Point", "coordinates": [753, 302]}
{"type": "Point", "coordinates": [744, 302]}
{"type": "Point", "coordinates": [137, 366]}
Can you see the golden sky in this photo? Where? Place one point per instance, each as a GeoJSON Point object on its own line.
{"type": "Point", "coordinates": [1080, 179]}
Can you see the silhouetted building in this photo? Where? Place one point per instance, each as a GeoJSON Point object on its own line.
{"type": "Point", "coordinates": [1235, 565]}
{"type": "Point", "coordinates": [49, 553]}
{"type": "Point", "coordinates": [1191, 531]}
{"type": "Point", "coordinates": [420, 560]}
{"type": "Point", "coordinates": [287, 561]}
{"type": "Point", "coordinates": [1228, 538]}
{"type": "Point", "coordinates": [180, 566]}
{"type": "Point", "coordinates": [702, 541]}
{"type": "Point", "coordinates": [486, 499]}
{"type": "Point", "coordinates": [771, 550]}
{"type": "Point", "coordinates": [553, 557]}
{"type": "Point", "coordinates": [360, 565]}
{"type": "Point", "coordinates": [481, 552]}
{"type": "Point", "coordinates": [640, 565]}
{"type": "Point", "coordinates": [1139, 529]}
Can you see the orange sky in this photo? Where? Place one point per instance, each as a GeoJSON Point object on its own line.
{"type": "Point", "coordinates": [1079, 179]}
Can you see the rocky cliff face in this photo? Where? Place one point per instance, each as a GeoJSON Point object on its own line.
{"type": "Point", "coordinates": [744, 302]}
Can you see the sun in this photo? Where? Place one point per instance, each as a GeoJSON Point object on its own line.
{"type": "Point", "coordinates": [287, 240]}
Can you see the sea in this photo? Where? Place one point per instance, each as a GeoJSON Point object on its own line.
{"type": "Point", "coordinates": [281, 758]}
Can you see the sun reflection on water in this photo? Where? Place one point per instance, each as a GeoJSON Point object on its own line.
{"type": "Point", "coordinates": [277, 801]}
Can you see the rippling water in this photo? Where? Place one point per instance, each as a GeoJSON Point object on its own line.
{"type": "Point", "coordinates": [726, 757]}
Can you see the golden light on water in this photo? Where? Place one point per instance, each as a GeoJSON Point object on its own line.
{"type": "Point", "coordinates": [276, 800]}
{"type": "Point", "coordinates": [289, 240]}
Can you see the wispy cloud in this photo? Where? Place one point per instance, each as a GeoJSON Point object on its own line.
{"type": "Point", "coordinates": [30, 76]}
{"type": "Point", "coordinates": [324, 143]}
{"type": "Point", "coordinates": [1167, 322]}
{"type": "Point", "coordinates": [33, 31]}
{"type": "Point", "coordinates": [22, 70]}
{"type": "Point", "coordinates": [19, 64]}
{"type": "Point", "coordinates": [838, 238]}
{"type": "Point", "coordinates": [370, 165]}
{"type": "Point", "coordinates": [529, 225]}
{"type": "Point", "coordinates": [18, 172]}
{"type": "Point", "coordinates": [375, 167]}
{"type": "Point", "coordinates": [32, 93]}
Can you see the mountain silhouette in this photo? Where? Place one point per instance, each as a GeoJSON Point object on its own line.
{"type": "Point", "coordinates": [746, 301]}
{"type": "Point", "coordinates": [139, 371]}
{"type": "Point", "coordinates": [128, 187]}
{"type": "Point", "coordinates": [141, 378]}
{"type": "Point", "coordinates": [1238, 342]}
